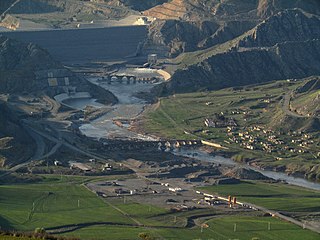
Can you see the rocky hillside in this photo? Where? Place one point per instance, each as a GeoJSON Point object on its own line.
{"type": "Point", "coordinates": [24, 67]}
{"type": "Point", "coordinates": [18, 64]}
{"type": "Point", "coordinates": [270, 51]}
{"type": "Point", "coordinates": [212, 22]}
{"type": "Point", "coordinates": [175, 37]}
{"type": "Point", "coordinates": [194, 10]}
{"type": "Point", "coordinates": [15, 143]}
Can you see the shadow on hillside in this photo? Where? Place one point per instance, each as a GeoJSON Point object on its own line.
{"type": "Point", "coordinates": [5, 224]}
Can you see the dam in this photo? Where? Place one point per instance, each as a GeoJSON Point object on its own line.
{"type": "Point", "coordinates": [73, 46]}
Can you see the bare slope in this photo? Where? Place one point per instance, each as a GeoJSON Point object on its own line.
{"type": "Point", "coordinates": [262, 54]}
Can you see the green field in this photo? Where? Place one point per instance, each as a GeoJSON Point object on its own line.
{"type": "Point", "coordinates": [221, 228]}
{"type": "Point", "coordinates": [14, 238]}
{"type": "Point", "coordinates": [277, 196]}
{"type": "Point", "coordinates": [54, 202]}
{"type": "Point", "coordinates": [277, 143]}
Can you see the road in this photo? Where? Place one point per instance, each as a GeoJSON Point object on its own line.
{"type": "Point", "coordinates": [6, 11]}
{"type": "Point", "coordinates": [286, 106]}
{"type": "Point", "coordinates": [287, 109]}
{"type": "Point", "coordinates": [271, 212]}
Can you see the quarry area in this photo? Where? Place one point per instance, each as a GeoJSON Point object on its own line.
{"type": "Point", "coordinates": [135, 115]}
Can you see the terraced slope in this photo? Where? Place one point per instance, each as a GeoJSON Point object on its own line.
{"type": "Point", "coordinates": [175, 9]}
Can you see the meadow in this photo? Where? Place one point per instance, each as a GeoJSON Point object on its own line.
{"type": "Point", "coordinates": [53, 203]}
{"type": "Point", "coordinates": [276, 196]}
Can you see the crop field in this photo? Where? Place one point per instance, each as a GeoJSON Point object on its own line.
{"type": "Point", "coordinates": [55, 203]}
{"type": "Point", "coordinates": [277, 196]}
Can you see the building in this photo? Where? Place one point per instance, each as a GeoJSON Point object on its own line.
{"type": "Point", "coordinates": [152, 59]}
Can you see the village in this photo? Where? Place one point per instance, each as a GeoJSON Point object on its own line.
{"type": "Point", "coordinates": [261, 138]}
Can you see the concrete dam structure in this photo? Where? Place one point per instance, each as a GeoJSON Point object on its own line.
{"type": "Point", "coordinates": [86, 45]}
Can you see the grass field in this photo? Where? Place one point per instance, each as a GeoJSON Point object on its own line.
{"type": "Point", "coordinates": [14, 238]}
{"type": "Point", "coordinates": [279, 197]}
{"type": "Point", "coordinates": [182, 116]}
{"type": "Point", "coordinates": [54, 202]}
{"type": "Point", "coordinates": [221, 228]}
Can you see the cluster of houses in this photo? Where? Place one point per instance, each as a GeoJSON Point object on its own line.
{"type": "Point", "coordinates": [219, 121]}
{"type": "Point", "coordinates": [259, 138]}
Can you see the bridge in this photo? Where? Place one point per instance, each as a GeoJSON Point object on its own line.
{"type": "Point", "coordinates": [161, 145]}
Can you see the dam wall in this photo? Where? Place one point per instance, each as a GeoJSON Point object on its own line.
{"type": "Point", "coordinates": [73, 46]}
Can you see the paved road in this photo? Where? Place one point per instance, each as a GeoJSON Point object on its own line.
{"type": "Point", "coordinates": [272, 213]}
{"type": "Point", "coordinates": [6, 11]}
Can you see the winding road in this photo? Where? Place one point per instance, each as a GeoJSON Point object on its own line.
{"type": "Point", "coordinates": [286, 106]}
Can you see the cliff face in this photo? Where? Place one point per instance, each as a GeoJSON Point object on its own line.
{"type": "Point", "coordinates": [286, 45]}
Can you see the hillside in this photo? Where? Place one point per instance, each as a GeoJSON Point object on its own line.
{"type": "Point", "coordinates": [18, 64]}
{"type": "Point", "coordinates": [47, 14]}
{"type": "Point", "coordinates": [186, 26]}
{"type": "Point", "coordinates": [15, 143]}
{"type": "Point", "coordinates": [306, 100]}
{"type": "Point", "coordinates": [193, 10]}
{"type": "Point", "coordinates": [24, 68]}
{"type": "Point", "coordinates": [263, 53]}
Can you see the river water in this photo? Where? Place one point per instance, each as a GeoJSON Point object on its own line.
{"type": "Point", "coordinates": [204, 156]}
{"type": "Point", "coordinates": [130, 106]}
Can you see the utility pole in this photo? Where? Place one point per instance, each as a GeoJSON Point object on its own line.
{"type": "Point", "coordinates": [78, 202]}
{"type": "Point", "coordinates": [235, 227]}
{"type": "Point", "coordinates": [269, 226]}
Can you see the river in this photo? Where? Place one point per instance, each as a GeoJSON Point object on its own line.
{"type": "Point", "coordinates": [130, 107]}
{"type": "Point", "coordinates": [204, 156]}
